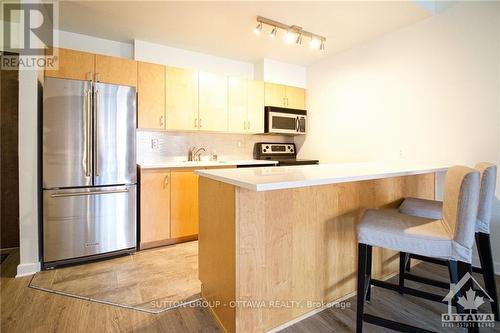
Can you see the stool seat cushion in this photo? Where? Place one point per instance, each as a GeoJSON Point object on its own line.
{"type": "Point", "coordinates": [390, 229]}
{"type": "Point", "coordinates": [431, 209]}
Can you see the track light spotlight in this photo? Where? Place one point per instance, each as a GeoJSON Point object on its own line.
{"type": "Point", "coordinates": [299, 39]}
{"type": "Point", "coordinates": [273, 33]}
{"type": "Point", "coordinates": [322, 46]}
{"type": "Point", "coordinates": [289, 37]}
{"type": "Point", "coordinates": [314, 43]}
{"type": "Point", "coordinates": [258, 28]}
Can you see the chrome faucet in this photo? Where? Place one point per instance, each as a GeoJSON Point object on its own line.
{"type": "Point", "coordinates": [194, 153]}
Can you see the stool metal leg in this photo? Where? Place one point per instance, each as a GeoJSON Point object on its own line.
{"type": "Point", "coordinates": [403, 257]}
{"type": "Point", "coordinates": [368, 272]}
{"type": "Point", "coordinates": [408, 263]}
{"type": "Point", "coordinates": [362, 256]}
{"type": "Point", "coordinates": [457, 271]}
{"type": "Point", "coordinates": [486, 259]}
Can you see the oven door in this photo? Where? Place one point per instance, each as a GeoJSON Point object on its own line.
{"type": "Point", "coordinates": [285, 123]}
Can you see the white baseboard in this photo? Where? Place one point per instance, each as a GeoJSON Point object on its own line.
{"type": "Point", "coordinates": [28, 269]}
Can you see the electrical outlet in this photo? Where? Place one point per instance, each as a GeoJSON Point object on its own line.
{"type": "Point", "coordinates": [154, 144]}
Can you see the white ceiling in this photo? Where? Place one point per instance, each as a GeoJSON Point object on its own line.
{"type": "Point", "coordinates": [226, 28]}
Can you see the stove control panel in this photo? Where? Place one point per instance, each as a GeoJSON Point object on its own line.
{"type": "Point", "coordinates": [263, 149]}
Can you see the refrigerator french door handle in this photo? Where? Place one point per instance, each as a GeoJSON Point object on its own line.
{"type": "Point", "coordinates": [96, 130]}
{"type": "Point", "coordinates": [87, 131]}
{"type": "Point", "coordinates": [77, 194]}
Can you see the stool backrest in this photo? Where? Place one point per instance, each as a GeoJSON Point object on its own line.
{"type": "Point", "coordinates": [488, 174]}
{"type": "Point", "coordinates": [461, 197]}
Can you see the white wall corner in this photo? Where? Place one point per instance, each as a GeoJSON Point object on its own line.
{"type": "Point", "coordinates": [85, 43]}
{"type": "Point", "coordinates": [434, 7]}
{"type": "Point", "coordinates": [258, 70]}
{"type": "Point", "coordinates": [27, 269]}
{"type": "Point", "coordinates": [175, 57]}
{"type": "Point", "coordinates": [284, 73]}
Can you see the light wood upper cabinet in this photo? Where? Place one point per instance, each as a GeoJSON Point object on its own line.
{"type": "Point", "coordinates": [275, 94]}
{"type": "Point", "coordinates": [285, 96]}
{"type": "Point", "coordinates": [255, 106]}
{"type": "Point", "coordinates": [237, 104]}
{"type": "Point", "coordinates": [213, 102]}
{"type": "Point", "coordinates": [295, 98]}
{"type": "Point", "coordinates": [74, 65]}
{"type": "Point", "coordinates": [115, 70]}
{"type": "Point", "coordinates": [181, 99]}
{"type": "Point", "coordinates": [245, 105]}
{"type": "Point", "coordinates": [154, 206]}
{"type": "Point", "coordinates": [151, 96]}
{"type": "Point", "coordinates": [184, 203]}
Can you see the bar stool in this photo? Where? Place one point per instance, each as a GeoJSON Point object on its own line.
{"type": "Point", "coordinates": [433, 209]}
{"type": "Point", "coordinates": [450, 238]}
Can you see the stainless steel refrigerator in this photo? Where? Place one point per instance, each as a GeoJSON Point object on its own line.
{"type": "Point", "coordinates": [89, 172]}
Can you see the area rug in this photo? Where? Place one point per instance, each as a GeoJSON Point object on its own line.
{"type": "Point", "coordinates": [151, 281]}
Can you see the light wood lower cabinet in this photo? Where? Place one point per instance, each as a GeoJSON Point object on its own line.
{"type": "Point", "coordinates": [169, 206]}
{"type": "Point", "coordinates": [184, 203]}
{"type": "Point", "coordinates": [154, 207]}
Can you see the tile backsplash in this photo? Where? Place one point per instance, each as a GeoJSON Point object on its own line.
{"type": "Point", "coordinates": [167, 146]}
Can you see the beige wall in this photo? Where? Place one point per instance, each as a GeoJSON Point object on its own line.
{"type": "Point", "coordinates": [428, 92]}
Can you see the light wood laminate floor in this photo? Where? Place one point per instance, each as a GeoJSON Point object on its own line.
{"type": "Point", "coordinates": [153, 280]}
{"type": "Point", "coordinates": [24, 309]}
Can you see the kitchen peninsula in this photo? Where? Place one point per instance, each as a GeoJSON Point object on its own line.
{"type": "Point", "coordinates": [278, 242]}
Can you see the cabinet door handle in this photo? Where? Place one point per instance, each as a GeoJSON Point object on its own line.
{"type": "Point", "coordinates": [248, 124]}
{"type": "Point", "coordinates": [165, 182]}
{"type": "Point", "coordinates": [97, 77]}
{"type": "Point", "coordinates": [89, 76]}
{"type": "Point", "coordinates": [162, 121]}
{"type": "Point", "coordinates": [200, 123]}
{"type": "Point", "coordinates": [195, 122]}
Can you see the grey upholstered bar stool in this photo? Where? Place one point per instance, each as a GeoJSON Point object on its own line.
{"type": "Point", "coordinates": [450, 238]}
{"type": "Point", "coordinates": [433, 209]}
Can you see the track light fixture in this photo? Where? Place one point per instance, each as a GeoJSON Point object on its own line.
{"type": "Point", "coordinates": [293, 32]}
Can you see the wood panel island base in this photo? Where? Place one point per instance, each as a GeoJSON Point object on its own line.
{"type": "Point", "coordinates": [276, 243]}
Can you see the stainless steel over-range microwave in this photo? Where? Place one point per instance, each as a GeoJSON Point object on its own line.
{"type": "Point", "coordinates": [284, 121]}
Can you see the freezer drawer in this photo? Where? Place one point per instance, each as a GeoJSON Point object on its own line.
{"type": "Point", "coordinates": [89, 221]}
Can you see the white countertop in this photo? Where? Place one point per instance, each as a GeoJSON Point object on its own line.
{"type": "Point", "coordinates": [276, 178]}
{"type": "Point", "coordinates": [201, 164]}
